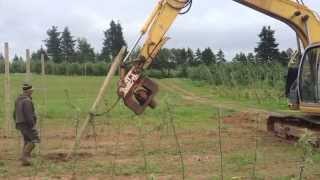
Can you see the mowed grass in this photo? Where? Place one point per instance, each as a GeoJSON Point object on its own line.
{"type": "Point", "coordinates": [130, 147]}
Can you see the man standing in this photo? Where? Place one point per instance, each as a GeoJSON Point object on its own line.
{"type": "Point", "coordinates": [26, 119]}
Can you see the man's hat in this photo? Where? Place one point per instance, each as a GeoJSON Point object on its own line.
{"type": "Point", "coordinates": [26, 87]}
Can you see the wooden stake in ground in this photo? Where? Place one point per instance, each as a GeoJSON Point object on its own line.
{"type": "Point", "coordinates": [44, 104]}
{"type": "Point", "coordinates": [99, 97]}
{"type": "Point", "coordinates": [7, 94]}
{"type": "Point", "coordinates": [28, 66]}
{"type": "Point", "coordinates": [43, 72]}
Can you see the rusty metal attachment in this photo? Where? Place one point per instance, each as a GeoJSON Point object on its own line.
{"type": "Point", "coordinates": [136, 91]}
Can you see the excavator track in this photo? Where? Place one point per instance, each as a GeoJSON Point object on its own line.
{"type": "Point", "coordinates": [293, 127]}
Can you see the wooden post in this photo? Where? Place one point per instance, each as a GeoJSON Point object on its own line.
{"type": "Point", "coordinates": [7, 94]}
{"type": "Point", "coordinates": [43, 72]}
{"type": "Point", "coordinates": [99, 97]}
{"type": "Point", "coordinates": [28, 64]}
{"type": "Point", "coordinates": [44, 105]}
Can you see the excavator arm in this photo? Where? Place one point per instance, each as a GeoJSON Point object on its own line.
{"type": "Point", "coordinates": [136, 90]}
{"type": "Point", "coordinates": [299, 17]}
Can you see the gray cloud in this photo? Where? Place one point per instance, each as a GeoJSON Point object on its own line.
{"type": "Point", "coordinates": [211, 23]}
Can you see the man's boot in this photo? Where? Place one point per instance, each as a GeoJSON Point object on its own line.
{"type": "Point", "coordinates": [26, 154]}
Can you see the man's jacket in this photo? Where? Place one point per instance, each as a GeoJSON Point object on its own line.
{"type": "Point", "coordinates": [24, 111]}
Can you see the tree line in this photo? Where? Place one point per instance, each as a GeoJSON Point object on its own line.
{"type": "Point", "coordinates": [68, 55]}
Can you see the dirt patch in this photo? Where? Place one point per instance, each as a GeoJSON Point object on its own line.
{"type": "Point", "coordinates": [63, 156]}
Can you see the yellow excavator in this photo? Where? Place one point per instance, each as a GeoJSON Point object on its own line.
{"type": "Point", "coordinates": [303, 80]}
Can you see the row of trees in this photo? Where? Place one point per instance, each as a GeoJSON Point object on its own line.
{"type": "Point", "coordinates": [62, 46]}
{"type": "Point", "coordinates": [60, 49]}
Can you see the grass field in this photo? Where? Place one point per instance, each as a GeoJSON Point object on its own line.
{"type": "Point", "coordinates": [181, 136]}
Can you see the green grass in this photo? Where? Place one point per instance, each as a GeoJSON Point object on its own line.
{"type": "Point", "coordinates": [193, 116]}
{"type": "Point", "coordinates": [50, 100]}
{"type": "Point", "coordinates": [270, 98]}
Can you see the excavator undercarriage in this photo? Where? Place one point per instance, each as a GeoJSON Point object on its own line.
{"type": "Point", "coordinates": [294, 127]}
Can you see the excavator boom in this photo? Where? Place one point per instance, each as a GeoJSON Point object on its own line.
{"type": "Point", "coordinates": [138, 91]}
{"type": "Point", "coordinates": [299, 17]}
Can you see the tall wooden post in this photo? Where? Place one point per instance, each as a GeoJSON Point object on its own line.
{"type": "Point", "coordinates": [105, 85]}
{"type": "Point", "coordinates": [7, 94]}
{"type": "Point", "coordinates": [28, 64]}
{"type": "Point", "coordinates": [43, 72]}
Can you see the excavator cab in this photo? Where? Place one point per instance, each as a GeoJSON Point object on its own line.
{"type": "Point", "coordinates": [309, 80]}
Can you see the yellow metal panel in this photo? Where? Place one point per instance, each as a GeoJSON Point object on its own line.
{"type": "Point", "coordinates": [310, 108]}
{"type": "Point", "coordinates": [163, 18]}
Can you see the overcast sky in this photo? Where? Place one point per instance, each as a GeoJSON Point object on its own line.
{"type": "Point", "coordinates": [211, 23]}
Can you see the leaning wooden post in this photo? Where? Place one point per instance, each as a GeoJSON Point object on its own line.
{"type": "Point", "coordinates": [7, 94]}
{"type": "Point", "coordinates": [28, 64]}
{"type": "Point", "coordinates": [99, 97]}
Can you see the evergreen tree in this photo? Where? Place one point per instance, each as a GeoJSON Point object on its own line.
{"type": "Point", "coordinates": [18, 66]}
{"type": "Point", "coordinates": [163, 62]}
{"type": "Point", "coordinates": [15, 58]}
{"type": "Point", "coordinates": [208, 57]}
{"type": "Point", "coordinates": [85, 52]}
{"type": "Point", "coordinates": [1, 57]}
{"type": "Point", "coordinates": [240, 58]}
{"type": "Point", "coordinates": [53, 44]}
{"type": "Point", "coordinates": [251, 58]}
{"type": "Point", "coordinates": [113, 41]}
{"type": "Point", "coordinates": [267, 50]}
{"type": "Point", "coordinates": [198, 57]}
{"type": "Point", "coordinates": [221, 57]}
{"type": "Point", "coordinates": [36, 56]}
{"type": "Point", "coordinates": [284, 58]}
{"type": "Point", "coordinates": [179, 56]}
{"type": "Point", "coordinates": [67, 45]}
{"type": "Point", "coordinates": [191, 60]}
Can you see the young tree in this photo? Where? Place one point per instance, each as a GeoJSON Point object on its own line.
{"type": "Point", "coordinates": [267, 50]}
{"type": "Point", "coordinates": [113, 41]}
{"type": "Point", "coordinates": [85, 52]}
{"type": "Point", "coordinates": [67, 45]}
{"type": "Point", "coordinates": [208, 57]}
{"type": "Point", "coordinates": [221, 57]}
{"type": "Point", "coordinates": [53, 44]}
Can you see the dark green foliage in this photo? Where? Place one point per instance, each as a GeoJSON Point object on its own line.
{"type": "Point", "coordinates": [164, 63]}
{"type": "Point", "coordinates": [267, 50]}
{"type": "Point", "coordinates": [284, 58]}
{"type": "Point", "coordinates": [1, 64]}
{"type": "Point", "coordinates": [221, 57]}
{"type": "Point", "coordinates": [241, 58]}
{"type": "Point", "coordinates": [251, 58]}
{"type": "Point", "coordinates": [191, 60]}
{"type": "Point", "coordinates": [113, 42]}
{"type": "Point", "coordinates": [36, 56]}
{"type": "Point", "coordinates": [67, 46]}
{"type": "Point", "coordinates": [17, 65]}
{"type": "Point", "coordinates": [208, 57]}
{"type": "Point", "coordinates": [53, 44]}
{"type": "Point", "coordinates": [239, 74]}
{"type": "Point", "coordinates": [1, 57]}
{"type": "Point", "coordinates": [85, 53]}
